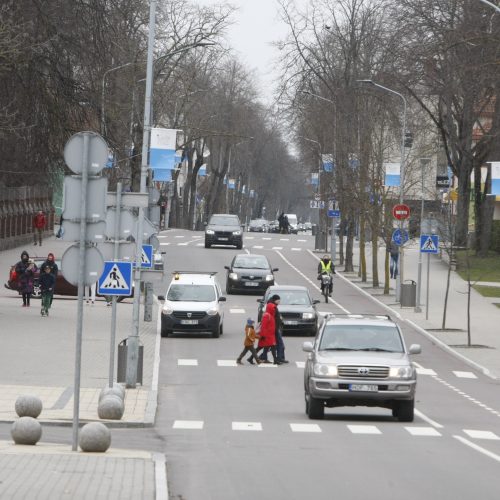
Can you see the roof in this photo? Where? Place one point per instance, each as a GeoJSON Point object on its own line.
{"type": "Point", "coordinates": [359, 319]}
{"type": "Point", "coordinates": [193, 278]}
{"type": "Point", "coordinates": [287, 287]}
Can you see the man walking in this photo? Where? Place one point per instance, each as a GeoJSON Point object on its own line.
{"type": "Point", "coordinates": [39, 223]}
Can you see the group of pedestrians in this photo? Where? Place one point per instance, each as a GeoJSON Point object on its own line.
{"type": "Point", "coordinates": [269, 336]}
{"type": "Point", "coordinates": [284, 224]}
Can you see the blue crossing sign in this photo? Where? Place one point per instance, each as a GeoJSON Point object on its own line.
{"type": "Point", "coordinates": [400, 237]}
{"type": "Point", "coordinates": [429, 243]}
{"type": "Point", "coordinates": [147, 257]}
{"type": "Point", "coordinates": [116, 279]}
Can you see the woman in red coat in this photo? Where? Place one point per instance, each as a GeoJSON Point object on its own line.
{"type": "Point", "coordinates": [267, 332]}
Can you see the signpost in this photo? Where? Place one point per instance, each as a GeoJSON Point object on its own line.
{"type": "Point", "coordinates": [401, 212]}
{"type": "Point", "coordinates": [400, 236]}
{"type": "Point", "coordinates": [429, 243]}
{"type": "Point", "coordinates": [334, 213]}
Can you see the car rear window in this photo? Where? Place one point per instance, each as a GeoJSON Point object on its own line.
{"type": "Point", "coordinates": [361, 337]}
{"type": "Point", "coordinates": [224, 220]}
{"type": "Point", "coordinates": [191, 293]}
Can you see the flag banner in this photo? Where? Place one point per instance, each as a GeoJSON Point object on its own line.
{"type": "Point", "coordinates": [231, 183]}
{"type": "Point", "coordinates": [392, 174]}
{"type": "Point", "coordinates": [243, 189]}
{"type": "Point", "coordinates": [327, 160]}
{"type": "Point", "coordinates": [203, 171]}
{"type": "Point", "coordinates": [162, 151]}
{"type": "Point", "coordinates": [162, 175]}
{"type": "Point", "coordinates": [314, 179]}
{"type": "Point", "coordinates": [178, 157]}
{"type": "Point", "coordinates": [252, 193]}
{"type": "Point", "coordinates": [225, 180]}
{"type": "Point", "coordinates": [353, 163]}
{"type": "Point", "coordinates": [110, 163]}
{"type": "Point", "coordinates": [495, 178]}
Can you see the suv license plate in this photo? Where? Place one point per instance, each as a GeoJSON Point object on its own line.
{"type": "Point", "coordinates": [251, 283]}
{"type": "Point", "coordinates": [291, 322]}
{"type": "Point", "coordinates": [363, 388]}
{"type": "Point", "coordinates": [223, 239]}
{"type": "Point", "coordinates": [189, 321]}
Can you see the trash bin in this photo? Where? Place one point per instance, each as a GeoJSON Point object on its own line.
{"type": "Point", "coordinates": [314, 229]}
{"type": "Point", "coordinates": [409, 294]}
{"type": "Point", "coordinates": [121, 366]}
{"type": "Point", "coordinates": [320, 241]}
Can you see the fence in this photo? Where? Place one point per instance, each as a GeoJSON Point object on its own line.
{"type": "Point", "coordinates": [18, 206]}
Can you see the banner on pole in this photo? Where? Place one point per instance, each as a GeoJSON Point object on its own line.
{"type": "Point", "coordinates": [327, 160]}
{"type": "Point", "coordinates": [314, 179]}
{"type": "Point", "coordinates": [162, 152]}
{"type": "Point", "coordinates": [392, 174]}
{"type": "Point", "coordinates": [495, 178]}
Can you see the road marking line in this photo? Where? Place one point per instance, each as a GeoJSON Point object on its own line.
{"type": "Point", "coordinates": [246, 426]}
{"type": "Point", "coordinates": [300, 364]}
{"type": "Point", "coordinates": [199, 244]}
{"type": "Point", "coordinates": [302, 241]}
{"type": "Point", "coordinates": [161, 481]}
{"type": "Point", "coordinates": [423, 431]}
{"type": "Point", "coordinates": [187, 362]}
{"type": "Point", "coordinates": [249, 237]}
{"type": "Point", "coordinates": [277, 248]}
{"type": "Point", "coordinates": [178, 236]}
{"type": "Point", "coordinates": [188, 424]}
{"type": "Point", "coordinates": [182, 244]}
{"type": "Point", "coordinates": [296, 249]}
{"type": "Point", "coordinates": [465, 374]}
{"type": "Point", "coordinates": [164, 244]}
{"type": "Point", "coordinates": [364, 429]}
{"type": "Point", "coordinates": [284, 239]}
{"type": "Point", "coordinates": [481, 434]}
{"type": "Point", "coordinates": [257, 246]}
{"type": "Point", "coordinates": [426, 371]}
{"type": "Point", "coordinates": [267, 365]}
{"type": "Point", "coordinates": [237, 311]}
{"type": "Point", "coordinates": [266, 239]}
{"type": "Point", "coordinates": [305, 428]}
{"type": "Point", "coordinates": [427, 419]}
{"type": "Point", "coordinates": [478, 448]}
{"type": "Point", "coordinates": [161, 235]}
{"type": "Point", "coordinates": [312, 283]}
{"type": "Point", "coordinates": [226, 362]}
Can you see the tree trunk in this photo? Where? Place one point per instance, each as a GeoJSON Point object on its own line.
{"type": "Point", "coordinates": [349, 264]}
{"type": "Point", "coordinates": [375, 279]}
{"type": "Point", "coordinates": [362, 255]}
{"type": "Point", "coordinates": [462, 220]}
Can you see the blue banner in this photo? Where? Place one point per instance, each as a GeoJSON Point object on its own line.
{"type": "Point", "coordinates": [327, 161]}
{"type": "Point", "coordinates": [392, 174]}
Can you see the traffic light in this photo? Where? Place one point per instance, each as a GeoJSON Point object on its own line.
{"type": "Point", "coordinates": [408, 139]}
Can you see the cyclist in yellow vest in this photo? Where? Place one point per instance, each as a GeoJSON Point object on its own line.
{"type": "Point", "coordinates": [326, 266]}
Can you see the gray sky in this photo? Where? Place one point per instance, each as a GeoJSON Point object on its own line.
{"type": "Point", "coordinates": [256, 25]}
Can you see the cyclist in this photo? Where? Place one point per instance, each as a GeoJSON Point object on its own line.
{"type": "Point", "coordinates": [326, 266]}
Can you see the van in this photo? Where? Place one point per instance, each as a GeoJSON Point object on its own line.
{"type": "Point", "coordinates": [294, 223]}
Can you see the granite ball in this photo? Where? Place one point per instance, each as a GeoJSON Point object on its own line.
{"type": "Point", "coordinates": [95, 437]}
{"type": "Point", "coordinates": [28, 406]}
{"type": "Point", "coordinates": [26, 430]}
{"type": "Point", "coordinates": [116, 390]}
{"type": "Point", "coordinates": [111, 407]}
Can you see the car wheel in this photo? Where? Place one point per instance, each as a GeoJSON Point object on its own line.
{"type": "Point", "coordinates": [216, 333]}
{"type": "Point", "coordinates": [165, 332]}
{"type": "Point", "coordinates": [405, 410]}
{"type": "Point", "coordinates": [315, 408]}
{"type": "Point", "coordinates": [239, 246]}
{"type": "Point", "coordinates": [207, 244]}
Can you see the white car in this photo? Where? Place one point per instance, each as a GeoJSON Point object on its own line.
{"type": "Point", "coordinates": [193, 304]}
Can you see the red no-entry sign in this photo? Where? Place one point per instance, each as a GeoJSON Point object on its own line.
{"type": "Point", "coordinates": [401, 212]}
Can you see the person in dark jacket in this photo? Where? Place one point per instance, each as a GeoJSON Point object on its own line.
{"type": "Point", "coordinates": [50, 261]}
{"type": "Point", "coordinates": [267, 333]}
{"type": "Point", "coordinates": [393, 250]}
{"type": "Point", "coordinates": [25, 270]}
{"type": "Point", "coordinates": [47, 282]}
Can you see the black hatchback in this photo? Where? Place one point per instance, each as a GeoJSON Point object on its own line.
{"type": "Point", "coordinates": [249, 273]}
{"type": "Point", "coordinates": [296, 309]}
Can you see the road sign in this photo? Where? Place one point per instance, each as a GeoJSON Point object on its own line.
{"type": "Point", "coordinates": [70, 265]}
{"type": "Point", "coordinates": [96, 198]}
{"type": "Point", "coordinates": [316, 204]}
{"type": "Point", "coordinates": [131, 200]}
{"type": "Point", "coordinates": [128, 223]}
{"type": "Point", "coordinates": [116, 279]}
{"type": "Point", "coordinates": [400, 236]}
{"type": "Point", "coordinates": [95, 232]}
{"type": "Point", "coordinates": [429, 243]}
{"type": "Point", "coordinates": [147, 257]}
{"type": "Point", "coordinates": [97, 153]}
{"type": "Point", "coordinates": [317, 197]}
{"type": "Point", "coordinates": [126, 250]}
{"type": "Point", "coordinates": [334, 213]}
{"type": "Point", "coordinates": [401, 212]}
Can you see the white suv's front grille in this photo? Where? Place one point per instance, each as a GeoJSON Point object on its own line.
{"type": "Point", "coordinates": [360, 371]}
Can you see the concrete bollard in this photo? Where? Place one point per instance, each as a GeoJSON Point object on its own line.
{"type": "Point", "coordinates": [95, 437]}
{"type": "Point", "coordinates": [28, 406]}
{"type": "Point", "coordinates": [111, 407]}
{"type": "Point", "coordinates": [26, 430]}
{"type": "Point", "coordinates": [116, 390]}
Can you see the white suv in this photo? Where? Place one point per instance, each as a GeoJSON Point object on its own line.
{"type": "Point", "coordinates": [193, 304]}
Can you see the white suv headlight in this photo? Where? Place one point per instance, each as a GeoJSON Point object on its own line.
{"type": "Point", "coordinates": [404, 372]}
{"type": "Point", "coordinates": [213, 311]}
{"type": "Point", "coordinates": [236, 233]}
{"type": "Point", "coordinates": [324, 370]}
{"type": "Point", "coordinates": [269, 277]}
{"type": "Point", "coordinates": [167, 310]}
{"type": "Point", "coordinates": [307, 315]}
{"type": "Point", "coordinates": [209, 231]}
{"type": "Point", "coordinates": [233, 276]}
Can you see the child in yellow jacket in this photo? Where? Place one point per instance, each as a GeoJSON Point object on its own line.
{"type": "Point", "coordinates": [250, 337]}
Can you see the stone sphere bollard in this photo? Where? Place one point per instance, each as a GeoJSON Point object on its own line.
{"type": "Point", "coordinates": [111, 407]}
{"type": "Point", "coordinates": [95, 437]}
{"type": "Point", "coordinates": [26, 430]}
{"type": "Point", "coordinates": [28, 406]}
{"type": "Point", "coordinates": [116, 390]}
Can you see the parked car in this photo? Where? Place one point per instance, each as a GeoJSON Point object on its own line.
{"type": "Point", "coordinates": [308, 226]}
{"type": "Point", "coordinates": [224, 229]}
{"type": "Point", "coordinates": [249, 273]}
{"type": "Point", "coordinates": [274, 226]}
{"type": "Point", "coordinates": [301, 227]}
{"type": "Point", "coordinates": [297, 309]}
{"type": "Point", "coordinates": [360, 360]}
{"type": "Point", "coordinates": [193, 304]}
{"type": "Point", "coordinates": [258, 226]}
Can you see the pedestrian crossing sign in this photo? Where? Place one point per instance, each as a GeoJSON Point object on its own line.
{"type": "Point", "coordinates": [116, 279]}
{"type": "Point", "coordinates": [147, 257]}
{"type": "Point", "coordinates": [429, 243]}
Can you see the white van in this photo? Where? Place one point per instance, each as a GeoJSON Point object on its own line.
{"type": "Point", "coordinates": [294, 223]}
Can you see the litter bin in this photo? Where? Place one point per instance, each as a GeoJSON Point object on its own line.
{"type": "Point", "coordinates": [320, 241]}
{"type": "Point", "coordinates": [314, 229]}
{"type": "Point", "coordinates": [409, 294]}
{"type": "Point", "coordinates": [121, 367]}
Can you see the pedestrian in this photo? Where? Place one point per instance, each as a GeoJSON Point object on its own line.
{"type": "Point", "coordinates": [250, 337]}
{"type": "Point", "coordinates": [90, 293]}
{"type": "Point", "coordinates": [280, 344]}
{"type": "Point", "coordinates": [39, 223]}
{"type": "Point", "coordinates": [47, 282]}
{"type": "Point", "coordinates": [281, 220]}
{"type": "Point", "coordinates": [393, 250]}
{"type": "Point", "coordinates": [25, 270]}
{"type": "Point", "coordinates": [267, 334]}
{"type": "Point", "coordinates": [50, 262]}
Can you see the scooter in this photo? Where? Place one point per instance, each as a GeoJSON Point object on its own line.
{"type": "Point", "coordinates": [326, 281]}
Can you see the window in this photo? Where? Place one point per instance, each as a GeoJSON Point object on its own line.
{"type": "Point", "coordinates": [224, 220]}
{"type": "Point", "coordinates": [191, 293]}
{"type": "Point", "coordinates": [249, 262]}
{"type": "Point", "coordinates": [361, 337]}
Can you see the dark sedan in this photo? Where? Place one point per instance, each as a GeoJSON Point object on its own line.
{"type": "Point", "coordinates": [258, 226]}
{"type": "Point", "coordinates": [249, 273]}
{"type": "Point", "coordinates": [296, 309]}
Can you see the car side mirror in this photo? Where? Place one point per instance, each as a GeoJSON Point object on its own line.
{"type": "Point", "coordinates": [161, 297]}
{"type": "Point", "coordinates": [276, 269]}
{"type": "Point", "coordinates": [226, 267]}
{"type": "Point", "coordinates": [316, 301]}
{"type": "Point", "coordinates": [222, 299]}
{"type": "Point", "coordinates": [307, 347]}
{"type": "Point", "coordinates": [415, 349]}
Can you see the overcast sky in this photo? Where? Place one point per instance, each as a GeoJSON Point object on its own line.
{"type": "Point", "coordinates": [256, 26]}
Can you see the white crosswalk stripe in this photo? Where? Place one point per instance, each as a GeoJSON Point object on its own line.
{"type": "Point", "coordinates": [364, 429]}
{"type": "Point", "coordinates": [187, 362]}
{"type": "Point", "coordinates": [423, 431]}
{"type": "Point", "coordinates": [226, 362]}
{"type": "Point", "coordinates": [237, 311]}
{"type": "Point", "coordinates": [481, 434]}
{"type": "Point", "coordinates": [305, 428]}
{"type": "Point", "coordinates": [277, 248]}
{"type": "Point", "coordinates": [464, 374]}
{"type": "Point", "coordinates": [246, 426]}
{"type": "Point", "coordinates": [188, 424]}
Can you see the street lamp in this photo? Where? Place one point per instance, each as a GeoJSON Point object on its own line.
{"type": "Point", "coordinates": [399, 277]}
{"type": "Point", "coordinates": [492, 5]}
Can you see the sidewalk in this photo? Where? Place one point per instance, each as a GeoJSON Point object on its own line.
{"type": "Point", "coordinates": [38, 358]}
{"type": "Point", "coordinates": [485, 315]}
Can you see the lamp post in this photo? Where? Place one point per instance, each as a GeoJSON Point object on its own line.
{"type": "Point", "coordinates": [492, 5]}
{"type": "Point", "coordinates": [399, 277]}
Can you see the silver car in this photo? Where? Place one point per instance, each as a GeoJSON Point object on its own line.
{"type": "Point", "coordinates": [360, 360]}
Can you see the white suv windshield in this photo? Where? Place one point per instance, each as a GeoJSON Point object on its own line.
{"type": "Point", "coordinates": [361, 338]}
{"type": "Point", "coordinates": [191, 293]}
{"type": "Point", "coordinates": [224, 221]}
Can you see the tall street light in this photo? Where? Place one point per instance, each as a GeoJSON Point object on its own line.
{"type": "Point", "coordinates": [399, 276]}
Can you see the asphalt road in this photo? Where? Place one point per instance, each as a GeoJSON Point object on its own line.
{"type": "Point", "coordinates": [241, 431]}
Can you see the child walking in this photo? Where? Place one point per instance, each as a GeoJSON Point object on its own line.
{"type": "Point", "coordinates": [47, 282]}
{"type": "Point", "coordinates": [250, 337]}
